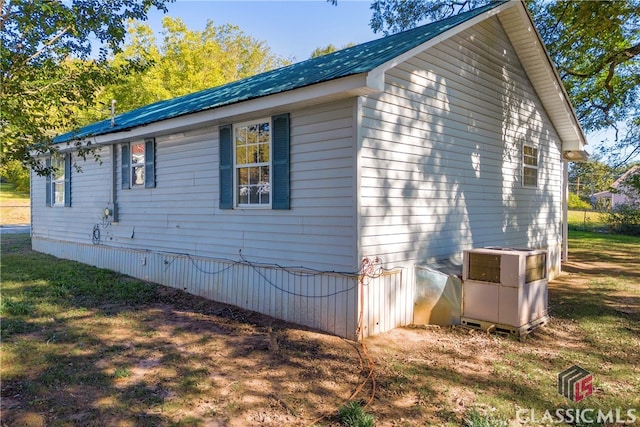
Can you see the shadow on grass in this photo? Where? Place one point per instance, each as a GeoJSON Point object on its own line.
{"type": "Point", "coordinates": [87, 346]}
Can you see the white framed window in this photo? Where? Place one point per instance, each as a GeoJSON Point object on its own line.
{"type": "Point", "coordinates": [252, 163]}
{"type": "Point", "coordinates": [529, 166]}
{"type": "Point", "coordinates": [58, 181]}
{"type": "Point", "coordinates": [137, 165]}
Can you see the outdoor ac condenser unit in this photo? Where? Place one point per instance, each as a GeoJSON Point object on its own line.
{"type": "Point", "coordinates": [504, 286]}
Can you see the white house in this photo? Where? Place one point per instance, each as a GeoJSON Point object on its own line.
{"type": "Point", "coordinates": [311, 193]}
{"type": "Point", "coordinates": [621, 193]}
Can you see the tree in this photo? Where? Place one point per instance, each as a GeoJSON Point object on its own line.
{"type": "Point", "coordinates": [321, 51]}
{"type": "Point", "coordinates": [53, 58]}
{"type": "Point", "coordinates": [590, 177]}
{"type": "Point", "coordinates": [184, 62]}
{"type": "Point", "coordinates": [594, 45]}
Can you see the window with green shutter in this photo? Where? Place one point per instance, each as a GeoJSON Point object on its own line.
{"type": "Point", "coordinates": [254, 164]}
{"type": "Point", "coordinates": [58, 182]}
{"type": "Point", "coordinates": [138, 162]}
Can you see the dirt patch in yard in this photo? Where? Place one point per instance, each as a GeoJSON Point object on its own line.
{"type": "Point", "coordinates": [187, 361]}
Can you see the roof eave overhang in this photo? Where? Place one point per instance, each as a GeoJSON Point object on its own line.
{"type": "Point", "coordinates": [345, 87]}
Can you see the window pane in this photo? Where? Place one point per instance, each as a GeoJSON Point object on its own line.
{"type": "Point", "coordinates": [137, 154]}
{"type": "Point", "coordinates": [264, 153]}
{"type": "Point", "coordinates": [264, 174]}
{"type": "Point", "coordinates": [58, 192]}
{"type": "Point", "coordinates": [254, 197]}
{"type": "Point", "coordinates": [241, 155]}
{"type": "Point", "coordinates": [253, 153]}
{"type": "Point", "coordinates": [263, 135]}
{"type": "Point", "coordinates": [243, 186]}
{"type": "Point", "coordinates": [138, 175]}
{"type": "Point", "coordinates": [530, 155]}
{"type": "Point", "coordinates": [243, 176]}
{"type": "Point", "coordinates": [264, 185]}
{"type": "Point", "coordinates": [254, 176]}
{"type": "Point", "coordinates": [530, 178]}
{"type": "Point", "coordinates": [241, 136]}
{"type": "Point", "coordinates": [58, 169]}
{"type": "Point", "coordinates": [243, 196]}
{"type": "Point", "coordinates": [264, 198]}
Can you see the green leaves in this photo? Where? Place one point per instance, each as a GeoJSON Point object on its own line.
{"type": "Point", "coordinates": [54, 59]}
{"type": "Point", "coordinates": [185, 61]}
{"type": "Point", "coordinates": [596, 48]}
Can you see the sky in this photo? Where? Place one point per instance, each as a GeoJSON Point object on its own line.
{"type": "Point", "coordinates": [292, 29]}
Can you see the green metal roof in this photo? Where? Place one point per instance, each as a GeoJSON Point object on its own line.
{"type": "Point", "coordinates": [343, 63]}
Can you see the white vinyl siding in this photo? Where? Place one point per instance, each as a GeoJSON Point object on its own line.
{"type": "Point", "coordinates": [90, 191]}
{"type": "Point", "coordinates": [181, 213]}
{"type": "Point", "coordinates": [176, 234]}
{"type": "Point", "coordinates": [441, 155]}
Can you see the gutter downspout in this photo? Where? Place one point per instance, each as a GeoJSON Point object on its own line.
{"type": "Point", "coordinates": [114, 183]}
{"type": "Point", "coordinates": [565, 212]}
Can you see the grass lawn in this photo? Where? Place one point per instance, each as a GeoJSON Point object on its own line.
{"type": "Point", "coordinates": [84, 346]}
{"type": "Point", "coordinates": [586, 220]}
{"type": "Point", "coordinates": [14, 206]}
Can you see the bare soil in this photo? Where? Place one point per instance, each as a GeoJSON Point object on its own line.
{"type": "Point", "coordinates": [199, 363]}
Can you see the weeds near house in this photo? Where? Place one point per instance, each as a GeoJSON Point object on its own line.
{"type": "Point", "coordinates": [122, 372]}
{"type": "Point", "coordinates": [475, 418]}
{"type": "Point", "coordinates": [353, 414]}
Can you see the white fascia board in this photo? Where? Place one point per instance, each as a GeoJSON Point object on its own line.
{"type": "Point", "coordinates": [573, 140]}
{"type": "Point", "coordinates": [381, 69]}
{"type": "Point", "coordinates": [350, 86]}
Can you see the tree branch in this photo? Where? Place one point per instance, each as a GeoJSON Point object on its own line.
{"type": "Point", "coordinates": [612, 60]}
{"type": "Point", "coordinates": [5, 15]}
{"type": "Point", "coordinates": [47, 44]}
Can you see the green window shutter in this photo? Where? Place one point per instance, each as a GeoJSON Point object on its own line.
{"type": "Point", "coordinates": [280, 183]}
{"type": "Point", "coordinates": [126, 159]}
{"type": "Point", "coordinates": [48, 184]}
{"type": "Point", "coordinates": [226, 167]}
{"type": "Point", "coordinates": [150, 163]}
{"type": "Point", "coordinates": [67, 180]}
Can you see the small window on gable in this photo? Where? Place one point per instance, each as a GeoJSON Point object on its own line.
{"type": "Point", "coordinates": [529, 166]}
{"type": "Point", "coordinates": [138, 164]}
